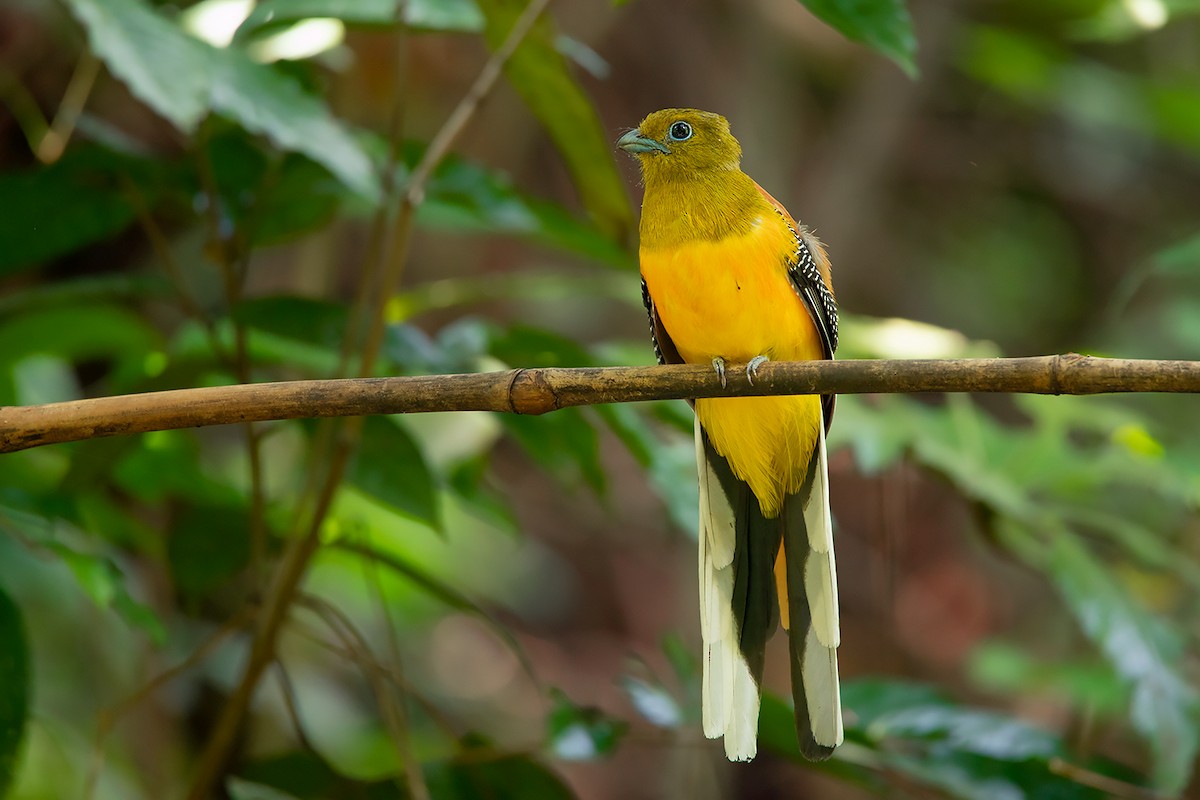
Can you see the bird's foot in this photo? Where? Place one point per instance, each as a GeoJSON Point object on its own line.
{"type": "Point", "coordinates": [719, 366]}
{"type": "Point", "coordinates": [752, 367]}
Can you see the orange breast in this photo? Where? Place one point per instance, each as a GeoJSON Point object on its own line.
{"type": "Point", "coordinates": [733, 299]}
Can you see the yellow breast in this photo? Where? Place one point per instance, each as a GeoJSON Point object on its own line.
{"type": "Point", "coordinates": [733, 298]}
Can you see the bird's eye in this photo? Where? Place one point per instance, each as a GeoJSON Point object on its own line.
{"type": "Point", "coordinates": [680, 131]}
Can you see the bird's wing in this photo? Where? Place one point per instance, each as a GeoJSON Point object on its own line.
{"type": "Point", "coordinates": [664, 348]}
{"type": "Point", "coordinates": [808, 269]}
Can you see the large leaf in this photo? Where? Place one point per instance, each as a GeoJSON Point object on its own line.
{"type": "Point", "coordinates": [496, 778]}
{"type": "Point", "coordinates": [97, 574]}
{"type": "Point", "coordinates": [207, 546]}
{"type": "Point", "coordinates": [305, 319]}
{"type": "Point", "coordinates": [464, 196]}
{"type": "Point", "coordinates": [14, 687]}
{"type": "Point", "coordinates": [1165, 708]}
{"type": "Point", "coordinates": [896, 729]}
{"type": "Point", "coordinates": [390, 468]}
{"type": "Point", "coordinates": [540, 73]}
{"type": "Point", "coordinates": [435, 15]}
{"type": "Point", "coordinates": [81, 198]}
{"type": "Point", "coordinates": [71, 334]}
{"type": "Point", "coordinates": [884, 25]}
{"type": "Point", "coordinates": [184, 80]}
{"type": "Point", "coordinates": [1087, 92]}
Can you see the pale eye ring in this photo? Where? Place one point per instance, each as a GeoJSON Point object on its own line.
{"type": "Point", "coordinates": [679, 131]}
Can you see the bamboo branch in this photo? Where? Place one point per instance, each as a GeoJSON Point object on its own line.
{"type": "Point", "coordinates": [537, 391]}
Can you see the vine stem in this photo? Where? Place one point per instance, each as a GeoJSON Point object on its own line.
{"type": "Point", "coordinates": [300, 550]}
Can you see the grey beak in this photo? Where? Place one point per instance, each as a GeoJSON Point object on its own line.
{"type": "Point", "coordinates": [634, 142]}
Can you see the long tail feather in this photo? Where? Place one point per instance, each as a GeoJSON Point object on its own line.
{"type": "Point", "coordinates": [737, 603]}
{"type": "Point", "coordinates": [813, 611]}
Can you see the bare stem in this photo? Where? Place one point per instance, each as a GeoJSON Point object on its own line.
{"type": "Point", "coordinates": [79, 88]}
{"type": "Point", "coordinates": [537, 391]}
{"type": "Point", "coordinates": [300, 552]}
{"type": "Point", "coordinates": [108, 718]}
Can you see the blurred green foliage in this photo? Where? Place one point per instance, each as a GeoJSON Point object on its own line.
{"type": "Point", "coordinates": [141, 259]}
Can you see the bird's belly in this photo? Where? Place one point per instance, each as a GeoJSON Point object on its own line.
{"type": "Point", "coordinates": [734, 299]}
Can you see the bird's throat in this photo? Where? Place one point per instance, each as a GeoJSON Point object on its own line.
{"type": "Point", "coordinates": [711, 205]}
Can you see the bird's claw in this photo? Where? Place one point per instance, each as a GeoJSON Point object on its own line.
{"type": "Point", "coordinates": [752, 367]}
{"type": "Point", "coordinates": [719, 366]}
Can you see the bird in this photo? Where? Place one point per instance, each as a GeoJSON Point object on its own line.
{"type": "Point", "coordinates": [728, 276]}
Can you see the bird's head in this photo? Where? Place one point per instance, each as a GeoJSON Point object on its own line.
{"type": "Point", "coordinates": [681, 142]}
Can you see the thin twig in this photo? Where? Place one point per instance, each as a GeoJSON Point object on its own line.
{"type": "Point", "coordinates": [301, 550]}
{"type": "Point", "coordinates": [413, 774]}
{"type": "Point", "coordinates": [292, 704]}
{"type": "Point", "coordinates": [538, 391]}
{"type": "Point", "coordinates": [432, 711]}
{"type": "Point", "coordinates": [262, 652]}
{"type": "Point", "coordinates": [384, 215]}
{"type": "Point", "coordinates": [166, 256]}
{"type": "Point", "coordinates": [1104, 783]}
{"type": "Point", "coordinates": [439, 147]}
{"type": "Point", "coordinates": [79, 88]}
{"type": "Point", "coordinates": [109, 717]}
{"type": "Point", "coordinates": [394, 718]}
{"type": "Point", "coordinates": [24, 108]}
{"type": "Point", "coordinates": [447, 595]}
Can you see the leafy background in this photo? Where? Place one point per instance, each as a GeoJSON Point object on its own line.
{"type": "Point", "coordinates": [197, 194]}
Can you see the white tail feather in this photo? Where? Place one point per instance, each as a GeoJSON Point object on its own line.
{"type": "Point", "coordinates": [821, 688]}
{"type": "Point", "coordinates": [730, 700]}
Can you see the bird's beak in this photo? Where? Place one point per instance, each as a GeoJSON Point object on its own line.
{"type": "Point", "coordinates": [634, 142]}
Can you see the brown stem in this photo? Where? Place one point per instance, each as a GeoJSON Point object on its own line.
{"type": "Point", "coordinates": [537, 391]}
{"type": "Point", "coordinates": [108, 718]}
{"type": "Point", "coordinates": [300, 552]}
{"type": "Point", "coordinates": [55, 139]}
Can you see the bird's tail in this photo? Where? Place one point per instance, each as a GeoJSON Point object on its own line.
{"type": "Point", "coordinates": [806, 576]}
{"type": "Point", "coordinates": [746, 579]}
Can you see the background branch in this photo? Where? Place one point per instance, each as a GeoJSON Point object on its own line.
{"type": "Point", "coordinates": [537, 391]}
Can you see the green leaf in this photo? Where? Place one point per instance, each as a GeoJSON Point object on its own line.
{"type": "Point", "coordinates": [1165, 708]}
{"type": "Point", "coordinates": [670, 462]}
{"type": "Point", "coordinates": [1181, 258]}
{"type": "Point", "coordinates": [579, 733]}
{"type": "Point", "coordinates": [305, 319]}
{"type": "Point", "coordinates": [245, 790]}
{"type": "Point", "coordinates": [434, 15]}
{"type": "Point", "coordinates": [95, 573]}
{"type": "Point", "coordinates": [464, 196]}
{"type": "Point", "coordinates": [477, 777]}
{"type": "Point", "coordinates": [884, 25]}
{"type": "Point", "coordinates": [390, 468]}
{"type": "Point", "coordinates": [308, 776]}
{"type": "Point", "coordinates": [271, 199]}
{"type": "Point", "coordinates": [74, 334]}
{"type": "Point", "coordinates": [14, 688]}
{"type": "Point", "coordinates": [525, 346]}
{"type": "Point", "coordinates": [564, 444]}
{"type": "Point", "coordinates": [166, 465]}
{"type": "Point", "coordinates": [162, 66]}
{"type": "Point", "coordinates": [541, 75]}
{"type": "Point", "coordinates": [80, 199]}
{"type": "Point", "coordinates": [1005, 667]}
{"type": "Point", "coordinates": [184, 80]}
{"type": "Point", "coordinates": [207, 546]}
{"type": "Point", "coordinates": [895, 729]}
{"type": "Point", "coordinates": [470, 481]}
